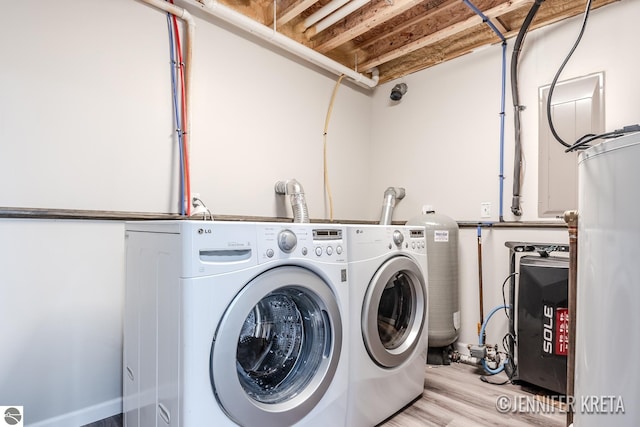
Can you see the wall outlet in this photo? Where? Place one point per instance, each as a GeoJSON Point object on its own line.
{"type": "Point", "coordinates": [485, 210]}
{"type": "Point", "coordinates": [197, 206]}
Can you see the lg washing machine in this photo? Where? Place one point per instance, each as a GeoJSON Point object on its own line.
{"type": "Point", "coordinates": [235, 323]}
{"type": "Point", "coordinates": [388, 300]}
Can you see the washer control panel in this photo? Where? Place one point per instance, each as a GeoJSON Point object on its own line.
{"type": "Point", "coordinates": [310, 241]}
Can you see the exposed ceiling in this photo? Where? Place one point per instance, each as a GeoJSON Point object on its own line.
{"type": "Point", "coordinates": [400, 37]}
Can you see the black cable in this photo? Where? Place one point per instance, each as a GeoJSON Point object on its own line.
{"type": "Point", "coordinates": [484, 379]}
{"type": "Point", "coordinates": [504, 298]}
{"type": "Point", "coordinates": [517, 48]}
{"type": "Point", "coordinates": [580, 143]}
{"type": "Point", "coordinates": [590, 137]}
{"type": "Point", "coordinates": [555, 79]}
{"type": "Point", "coordinates": [511, 353]}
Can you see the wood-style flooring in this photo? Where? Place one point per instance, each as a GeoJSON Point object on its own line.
{"type": "Point", "coordinates": [454, 396]}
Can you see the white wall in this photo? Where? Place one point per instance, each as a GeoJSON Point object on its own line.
{"type": "Point", "coordinates": [87, 119]}
{"type": "Point", "coordinates": [61, 311]}
{"type": "Point", "coordinates": [444, 134]}
{"type": "Point", "coordinates": [441, 141]}
{"type": "Point", "coordinates": [85, 123]}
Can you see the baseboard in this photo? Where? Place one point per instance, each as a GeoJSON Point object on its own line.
{"type": "Point", "coordinates": [82, 416]}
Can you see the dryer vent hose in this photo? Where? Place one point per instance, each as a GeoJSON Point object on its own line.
{"type": "Point", "coordinates": [294, 190]}
{"type": "Point", "coordinates": [391, 194]}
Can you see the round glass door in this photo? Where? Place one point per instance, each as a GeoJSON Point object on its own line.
{"type": "Point", "coordinates": [277, 347]}
{"type": "Point", "coordinates": [393, 312]}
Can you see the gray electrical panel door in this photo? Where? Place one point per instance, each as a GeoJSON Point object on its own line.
{"type": "Point", "coordinates": [577, 109]}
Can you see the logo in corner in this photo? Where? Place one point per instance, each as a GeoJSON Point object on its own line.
{"type": "Point", "coordinates": [12, 415]}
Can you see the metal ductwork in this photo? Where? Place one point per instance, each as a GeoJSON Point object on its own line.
{"type": "Point", "coordinates": [293, 188]}
{"type": "Point", "coordinates": [391, 194]}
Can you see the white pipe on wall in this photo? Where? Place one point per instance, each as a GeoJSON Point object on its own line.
{"type": "Point", "coordinates": [245, 23]}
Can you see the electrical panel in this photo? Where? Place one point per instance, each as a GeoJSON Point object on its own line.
{"type": "Point", "coordinates": [577, 109]}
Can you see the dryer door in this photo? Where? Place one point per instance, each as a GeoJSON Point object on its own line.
{"type": "Point", "coordinates": [277, 348]}
{"type": "Point", "coordinates": [393, 312]}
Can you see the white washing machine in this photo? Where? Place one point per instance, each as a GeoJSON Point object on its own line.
{"type": "Point", "coordinates": [388, 300]}
{"type": "Point", "coordinates": [235, 323]}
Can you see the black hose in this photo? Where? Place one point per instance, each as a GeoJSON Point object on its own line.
{"type": "Point", "coordinates": [555, 79]}
{"type": "Point", "coordinates": [515, 202]}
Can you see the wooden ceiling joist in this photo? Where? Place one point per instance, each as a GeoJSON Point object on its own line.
{"type": "Point", "coordinates": [379, 12]}
{"type": "Point", "coordinates": [438, 36]}
{"type": "Point", "coordinates": [400, 37]}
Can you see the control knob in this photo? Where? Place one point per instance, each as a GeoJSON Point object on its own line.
{"type": "Point", "coordinates": [398, 238]}
{"type": "Point", "coordinates": [287, 241]}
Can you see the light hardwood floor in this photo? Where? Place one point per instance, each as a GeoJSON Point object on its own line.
{"type": "Point", "coordinates": [454, 396]}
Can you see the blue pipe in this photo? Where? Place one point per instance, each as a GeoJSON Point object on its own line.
{"type": "Point", "coordinates": [484, 19]}
{"type": "Point", "coordinates": [487, 21]}
{"type": "Point", "coordinates": [481, 341]}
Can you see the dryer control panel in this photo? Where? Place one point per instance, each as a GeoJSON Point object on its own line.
{"type": "Point", "coordinates": [410, 239]}
{"type": "Point", "coordinates": [370, 241]}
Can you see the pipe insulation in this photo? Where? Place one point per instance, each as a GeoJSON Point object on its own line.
{"type": "Point", "coordinates": [516, 208]}
{"type": "Point", "coordinates": [268, 34]}
{"type": "Point", "coordinates": [391, 194]}
{"type": "Point", "coordinates": [293, 189]}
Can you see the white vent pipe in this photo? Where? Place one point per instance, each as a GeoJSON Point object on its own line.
{"type": "Point", "coordinates": [293, 188]}
{"type": "Point", "coordinates": [268, 34]}
{"type": "Point", "coordinates": [338, 15]}
{"type": "Point", "coordinates": [391, 194]}
{"type": "Point", "coordinates": [327, 9]}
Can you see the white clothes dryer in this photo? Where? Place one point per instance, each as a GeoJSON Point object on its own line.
{"type": "Point", "coordinates": [235, 323]}
{"type": "Point", "coordinates": [388, 300]}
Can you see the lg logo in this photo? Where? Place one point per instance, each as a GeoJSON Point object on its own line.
{"type": "Point", "coordinates": [204, 231]}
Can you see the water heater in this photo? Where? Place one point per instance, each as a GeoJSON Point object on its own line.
{"type": "Point", "coordinates": [608, 284]}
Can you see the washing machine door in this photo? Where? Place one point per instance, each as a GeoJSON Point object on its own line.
{"type": "Point", "coordinates": [393, 312]}
{"type": "Point", "coordinates": [277, 348]}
